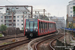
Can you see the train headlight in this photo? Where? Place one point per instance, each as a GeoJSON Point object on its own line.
{"type": "Point", "coordinates": [26, 30]}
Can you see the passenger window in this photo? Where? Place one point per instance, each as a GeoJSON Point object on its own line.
{"type": "Point", "coordinates": [48, 26]}
{"type": "Point", "coordinates": [35, 25]}
{"type": "Point", "coordinates": [43, 26]}
{"type": "Point", "coordinates": [39, 26]}
{"type": "Point", "coordinates": [27, 25]}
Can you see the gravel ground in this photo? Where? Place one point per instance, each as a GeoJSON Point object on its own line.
{"type": "Point", "coordinates": [12, 40]}
{"type": "Point", "coordinates": [45, 44]}
{"type": "Point", "coordinates": [22, 47]}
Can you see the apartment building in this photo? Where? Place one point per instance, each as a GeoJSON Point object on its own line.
{"type": "Point", "coordinates": [70, 14]}
{"type": "Point", "coordinates": [17, 13]}
{"type": "Point", "coordinates": [70, 8]}
{"type": "Point", "coordinates": [1, 18]}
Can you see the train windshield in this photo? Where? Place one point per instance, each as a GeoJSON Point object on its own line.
{"type": "Point", "coordinates": [31, 25]}
{"type": "Point", "coordinates": [35, 25]}
{"type": "Point", "coordinates": [27, 25]}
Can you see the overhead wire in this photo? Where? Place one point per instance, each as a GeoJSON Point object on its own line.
{"type": "Point", "coordinates": [9, 1]}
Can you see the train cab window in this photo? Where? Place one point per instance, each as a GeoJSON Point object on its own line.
{"type": "Point", "coordinates": [27, 25]}
{"type": "Point", "coordinates": [31, 25]}
{"type": "Point", "coordinates": [35, 25]}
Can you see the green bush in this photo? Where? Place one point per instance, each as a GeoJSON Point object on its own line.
{"type": "Point", "coordinates": [3, 27]}
{"type": "Point", "coordinates": [1, 35]}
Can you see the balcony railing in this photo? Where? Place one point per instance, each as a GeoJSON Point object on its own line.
{"type": "Point", "coordinates": [10, 22]}
{"type": "Point", "coordinates": [10, 18]}
{"type": "Point", "coordinates": [10, 26]}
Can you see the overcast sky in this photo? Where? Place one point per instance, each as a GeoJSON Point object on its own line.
{"type": "Point", "coordinates": [54, 7]}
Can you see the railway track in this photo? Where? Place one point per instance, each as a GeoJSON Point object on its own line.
{"type": "Point", "coordinates": [52, 38]}
{"type": "Point", "coordinates": [4, 38]}
{"type": "Point", "coordinates": [13, 45]}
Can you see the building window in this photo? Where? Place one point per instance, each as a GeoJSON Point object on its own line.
{"type": "Point", "coordinates": [70, 11]}
{"type": "Point", "coordinates": [18, 24]}
{"type": "Point", "coordinates": [22, 24]}
{"type": "Point", "coordinates": [25, 16]}
{"type": "Point", "coordinates": [70, 7]}
{"type": "Point", "coordinates": [1, 20]}
{"type": "Point", "coordinates": [73, 3]}
{"type": "Point", "coordinates": [22, 16]}
{"type": "Point", "coordinates": [71, 15]}
{"type": "Point", "coordinates": [17, 16]}
{"type": "Point", "coordinates": [22, 20]}
{"type": "Point", "coordinates": [17, 20]}
{"type": "Point", "coordinates": [1, 16]}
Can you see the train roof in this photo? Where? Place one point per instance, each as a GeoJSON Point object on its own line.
{"type": "Point", "coordinates": [44, 20]}
{"type": "Point", "coordinates": [47, 21]}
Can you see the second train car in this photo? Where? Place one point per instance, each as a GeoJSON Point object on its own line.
{"type": "Point", "coordinates": [37, 27]}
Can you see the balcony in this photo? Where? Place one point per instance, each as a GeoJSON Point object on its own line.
{"type": "Point", "coordinates": [10, 22]}
{"type": "Point", "coordinates": [10, 18]}
{"type": "Point", "coordinates": [10, 25]}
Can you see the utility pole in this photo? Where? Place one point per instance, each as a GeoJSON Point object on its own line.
{"type": "Point", "coordinates": [48, 14]}
{"type": "Point", "coordinates": [31, 11]}
{"type": "Point", "coordinates": [12, 18]}
{"type": "Point", "coordinates": [37, 12]}
{"type": "Point", "coordinates": [23, 20]}
{"type": "Point", "coordinates": [64, 37]}
{"type": "Point", "coordinates": [44, 12]}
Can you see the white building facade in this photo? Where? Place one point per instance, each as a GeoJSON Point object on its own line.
{"type": "Point", "coordinates": [19, 20]}
{"type": "Point", "coordinates": [1, 19]}
{"type": "Point", "coordinates": [6, 18]}
{"type": "Point", "coordinates": [70, 8]}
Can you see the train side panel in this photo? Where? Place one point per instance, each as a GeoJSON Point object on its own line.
{"type": "Point", "coordinates": [45, 31]}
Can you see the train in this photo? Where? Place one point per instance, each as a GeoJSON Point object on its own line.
{"type": "Point", "coordinates": [38, 27]}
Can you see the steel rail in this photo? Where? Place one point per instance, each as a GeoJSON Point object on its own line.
{"type": "Point", "coordinates": [12, 45]}
{"type": "Point", "coordinates": [53, 41]}
{"type": "Point", "coordinates": [44, 39]}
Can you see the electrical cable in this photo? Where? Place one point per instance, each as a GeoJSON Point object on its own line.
{"type": "Point", "coordinates": [9, 1]}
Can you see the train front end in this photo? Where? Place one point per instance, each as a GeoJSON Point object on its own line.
{"type": "Point", "coordinates": [31, 28]}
